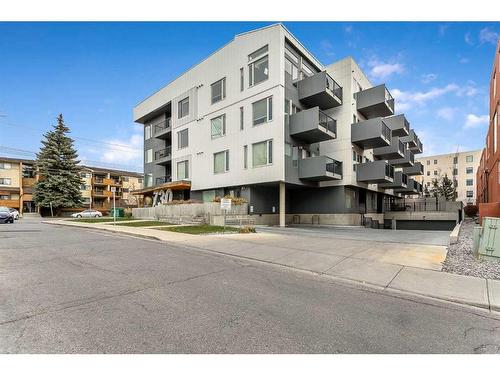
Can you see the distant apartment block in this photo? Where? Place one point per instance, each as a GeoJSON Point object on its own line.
{"type": "Point", "coordinates": [488, 174]}
{"type": "Point", "coordinates": [460, 167]}
{"type": "Point", "coordinates": [263, 119]}
{"type": "Point", "coordinates": [17, 177]}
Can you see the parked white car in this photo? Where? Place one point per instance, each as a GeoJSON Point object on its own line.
{"type": "Point", "coordinates": [15, 213]}
{"type": "Point", "coordinates": [87, 213]}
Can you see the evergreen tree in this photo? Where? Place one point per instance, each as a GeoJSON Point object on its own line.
{"type": "Point", "coordinates": [448, 188]}
{"type": "Point", "coordinates": [435, 188]}
{"type": "Point", "coordinates": [427, 194]}
{"type": "Point", "coordinates": [57, 164]}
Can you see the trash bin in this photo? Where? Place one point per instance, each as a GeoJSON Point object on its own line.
{"type": "Point", "coordinates": [120, 212]}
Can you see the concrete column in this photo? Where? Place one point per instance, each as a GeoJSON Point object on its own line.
{"type": "Point", "coordinates": [282, 204]}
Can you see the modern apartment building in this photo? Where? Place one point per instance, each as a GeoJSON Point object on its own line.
{"type": "Point", "coordinates": [17, 177]}
{"type": "Point", "coordinates": [263, 119]}
{"type": "Point", "coordinates": [461, 167]}
{"type": "Point", "coordinates": [488, 174]}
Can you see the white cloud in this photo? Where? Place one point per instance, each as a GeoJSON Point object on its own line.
{"type": "Point", "coordinates": [468, 39]}
{"type": "Point", "coordinates": [446, 113]}
{"type": "Point", "coordinates": [426, 78]}
{"type": "Point", "coordinates": [473, 121]}
{"type": "Point", "coordinates": [348, 29]}
{"type": "Point", "coordinates": [327, 47]}
{"type": "Point", "coordinates": [121, 151]}
{"type": "Point", "coordinates": [382, 70]}
{"type": "Point", "coordinates": [464, 60]}
{"type": "Point", "coordinates": [409, 99]}
{"type": "Point", "coordinates": [487, 35]}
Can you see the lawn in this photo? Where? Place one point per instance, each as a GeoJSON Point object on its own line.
{"type": "Point", "coordinates": [200, 229]}
{"type": "Point", "coordinates": [148, 223]}
{"type": "Point", "coordinates": [100, 220]}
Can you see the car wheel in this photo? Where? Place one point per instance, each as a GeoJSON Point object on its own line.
{"type": "Point", "coordinates": [79, 216]}
{"type": "Point", "coordinates": [96, 216]}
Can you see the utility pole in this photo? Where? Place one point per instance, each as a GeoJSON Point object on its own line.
{"type": "Point", "coordinates": [113, 189]}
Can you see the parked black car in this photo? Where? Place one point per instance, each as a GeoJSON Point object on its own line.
{"type": "Point", "coordinates": [6, 216]}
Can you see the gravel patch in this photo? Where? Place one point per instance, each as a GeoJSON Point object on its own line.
{"type": "Point", "coordinates": [461, 260]}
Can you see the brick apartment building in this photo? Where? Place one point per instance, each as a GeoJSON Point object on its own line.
{"type": "Point", "coordinates": [488, 174]}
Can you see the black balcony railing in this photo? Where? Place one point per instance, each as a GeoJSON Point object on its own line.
{"type": "Point", "coordinates": [333, 86]}
{"type": "Point", "coordinates": [389, 171]}
{"type": "Point", "coordinates": [401, 147]}
{"type": "Point", "coordinates": [412, 157]}
{"type": "Point", "coordinates": [161, 126]}
{"type": "Point", "coordinates": [334, 166]}
{"type": "Point", "coordinates": [163, 180]}
{"type": "Point", "coordinates": [404, 179]}
{"type": "Point", "coordinates": [163, 153]}
{"type": "Point", "coordinates": [327, 122]}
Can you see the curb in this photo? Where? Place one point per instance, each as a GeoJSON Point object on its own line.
{"type": "Point", "coordinates": [488, 307]}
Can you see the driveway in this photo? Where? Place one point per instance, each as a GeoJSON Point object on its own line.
{"type": "Point", "coordinates": [71, 290]}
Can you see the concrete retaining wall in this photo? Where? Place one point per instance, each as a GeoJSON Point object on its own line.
{"type": "Point", "coordinates": [324, 219]}
{"type": "Point", "coordinates": [425, 215]}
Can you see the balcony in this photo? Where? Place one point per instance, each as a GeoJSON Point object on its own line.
{"type": "Point", "coordinates": [320, 168]}
{"type": "Point", "coordinates": [113, 181]}
{"type": "Point", "coordinates": [371, 133]}
{"type": "Point", "coordinates": [163, 156]}
{"type": "Point", "coordinates": [407, 161]}
{"type": "Point", "coordinates": [98, 180]}
{"type": "Point", "coordinates": [398, 124]}
{"type": "Point", "coordinates": [163, 129]}
{"type": "Point", "coordinates": [375, 172]}
{"type": "Point", "coordinates": [413, 142]}
{"type": "Point", "coordinates": [101, 193]}
{"type": "Point", "coordinates": [375, 102]}
{"type": "Point", "coordinates": [400, 182]}
{"type": "Point", "coordinates": [396, 150]}
{"type": "Point", "coordinates": [313, 125]}
{"type": "Point", "coordinates": [163, 180]}
{"type": "Point", "coordinates": [413, 187]}
{"type": "Point", "coordinates": [320, 90]}
{"type": "Point", "coordinates": [416, 169]}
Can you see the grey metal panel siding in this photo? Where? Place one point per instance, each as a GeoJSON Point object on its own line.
{"type": "Point", "coordinates": [373, 102]}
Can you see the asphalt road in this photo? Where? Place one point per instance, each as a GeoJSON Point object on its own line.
{"type": "Point", "coordinates": [66, 290]}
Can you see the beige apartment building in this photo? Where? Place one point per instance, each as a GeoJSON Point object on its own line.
{"type": "Point", "coordinates": [17, 177]}
{"type": "Point", "coordinates": [461, 167]}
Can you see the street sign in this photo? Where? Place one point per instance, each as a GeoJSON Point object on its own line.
{"type": "Point", "coordinates": [225, 204]}
{"type": "Point", "coordinates": [113, 189]}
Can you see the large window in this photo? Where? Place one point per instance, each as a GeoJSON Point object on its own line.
{"type": "Point", "coordinates": [148, 155]}
{"type": "Point", "coordinates": [5, 166]}
{"type": "Point", "coordinates": [148, 179]}
{"type": "Point", "coordinates": [470, 193]}
{"type": "Point", "coordinates": [183, 170]}
{"type": "Point", "coordinates": [147, 132]}
{"type": "Point", "coordinates": [291, 69]}
{"type": "Point", "coordinates": [469, 158]}
{"type": "Point", "coordinates": [469, 182]}
{"type": "Point", "coordinates": [258, 68]}
{"type": "Point", "coordinates": [218, 126]}
{"type": "Point", "coordinates": [221, 162]}
{"type": "Point", "coordinates": [245, 156]}
{"type": "Point", "coordinates": [262, 153]}
{"type": "Point", "coordinates": [182, 138]}
{"type": "Point", "coordinates": [183, 108]}
{"type": "Point", "coordinates": [469, 170]}
{"type": "Point", "coordinates": [242, 79]}
{"type": "Point", "coordinates": [242, 118]}
{"type": "Point", "coordinates": [5, 181]}
{"type": "Point", "coordinates": [218, 90]}
{"type": "Point", "coordinates": [262, 111]}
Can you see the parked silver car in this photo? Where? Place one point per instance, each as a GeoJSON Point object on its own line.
{"type": "Point", "coordinates": [14, 212]}
{"type": "Point", "coordinates": [87, 213]}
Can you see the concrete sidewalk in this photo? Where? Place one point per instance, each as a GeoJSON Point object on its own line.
{"type": "Point", "coordinates": [388, 266]}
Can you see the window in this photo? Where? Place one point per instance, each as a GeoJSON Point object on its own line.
{"type": "Point", "coordinates": [469, 170]}
{"type": "Point", "coordinates": [4, 197]}
{"type": "Point", "coordinates": [182, 170]}
{"type": "Point", "coordinates": [262, 111]}
{"type": "Point", "coordinates": [354, 155]}
{"type": "Point", "coordinates": [208, 195]}
{"type": "Point", "coordinates": [221, 162]}
{"type": "Point", "coordinates": [218, 90]}
{"type": "Point", "coordinates": [148, 179]}
{"type": "Point", "coordinates": [5, 166]}
{"type": "Point", "coordinates": [84, 187]}
{"type": "Point", "coordinates": [470, 193]}
{"type": "Point", "coordinates": [245, 156]}
{"type": "Point", "coordinates": [455, 160]}
{"type": "Point", "coordinates": [258, 69]}
{"type": "Point", "coordinates": [125, 190]}
{"type": "Point", "coordinates": [242, 79]}
{"type": "Point", "coordinates": [469, 182]}
{"type": "Point", "coordinates": [218, 126]}
{"type": "Point", "coordinates": [125, 179]}
{"type": "Point", "coordinates": [182, 138]}
{"type": "Point", "coordinates": [183, 108]}
{"type": "Point", "coordinates": [147, 132]}
{"type": "Point", "coordinates": [242, 118]}
{"type": "Point", "coordinates": [288, 149]}
{"type": "Point", "coordinates": [262, 153]}
{"type": "Point", "coordinates": [469, 158]}
{"type": "Point", "coordinates": [306, 71]}
{"type": "Point", "coordinates": [435, 161]}
{"type": "Point", "coordinates": [428, 162]}
{"type": "Point", "coordinates": [291, 68]}
{"type": "Point", "coordinates": [139, 180]}
{"type": "Point", "coordinates": [455, 171]}
{"type": "Point", "coordinates": [148, 155]}
{"type": "Point", "coordinates": [435, 173]}
{"type": "Point", "coordinates": [428, 173]}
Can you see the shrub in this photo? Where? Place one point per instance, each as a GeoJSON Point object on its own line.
{"type": "Point", "coordinates": [234, 200]}
{"type": "Point", "coordinates": [128, 214]}
{"type": "Point", "coordinates": [247, 229]}
{"type": "Point", "coordinates": [471, 210]}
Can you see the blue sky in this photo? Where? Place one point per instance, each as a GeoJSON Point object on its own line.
{"type": "Point", "coordinates": [94, 73]}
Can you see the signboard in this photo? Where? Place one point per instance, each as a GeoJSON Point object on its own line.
{"type": "Point", "coordinates": [113, 189]}
{"type": "Point", "coordinates": [225, 204]}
